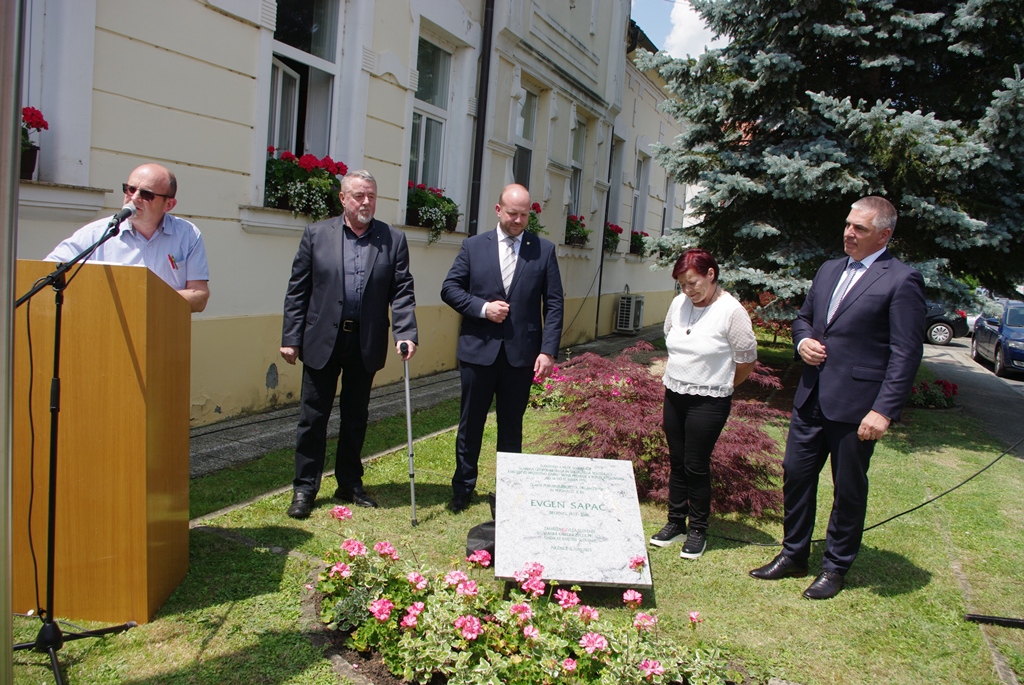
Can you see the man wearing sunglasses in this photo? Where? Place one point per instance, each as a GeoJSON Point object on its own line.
{"type": "Point", "coordinates": [170, 247]}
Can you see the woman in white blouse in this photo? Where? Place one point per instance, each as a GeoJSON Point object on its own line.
{"type": "Point", "coordinates": [711, 350]}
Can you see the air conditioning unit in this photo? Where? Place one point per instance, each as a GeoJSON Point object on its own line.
{"type": "Point", "coordinates": [630, 316]}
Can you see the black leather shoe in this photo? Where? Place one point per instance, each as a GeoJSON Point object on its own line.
{"type": "Point", "coordinates": [459, 503]}
{"type": "Point", "coordinates": [302, 504]}
{"type": "Point", "coordinates": [357, 496]}
{"type": "Point", "coordinates": [779, 567]}
{"type": "Point", "coordinates": [826, 586]}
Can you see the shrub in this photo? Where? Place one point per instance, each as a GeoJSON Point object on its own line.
{"type": "Point", "coordinates": [534, 226]}
{"type": "Point", "coordinates": [432, 209]}
{"type": "Point", "coordinates": [772, 314]}
{"type": "Point", "coordinates": [427, 625]}
{"type": "Point", "coordinates": [613, 408]}
{"type": "Point", "coordinates": [576, 232]}
{"type": "Point", "coordinates": [611, 237]}
{"type": "Point", "coordinates": [305, 185]}
{"type": "Point", "coordinates": [935, 395]}
{"type": "Point", "coordinates": [636, 242]}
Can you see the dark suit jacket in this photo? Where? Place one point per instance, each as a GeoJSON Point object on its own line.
{"type": "Point", "coordinates": [873, 344]}
{"type": "Point", "coordinates": [313, 303]}
{"type": "Point", "coordinates": [536, 290]}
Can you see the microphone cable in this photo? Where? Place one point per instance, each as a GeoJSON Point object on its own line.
{"type": "Point", "coordinates": [895, 516]}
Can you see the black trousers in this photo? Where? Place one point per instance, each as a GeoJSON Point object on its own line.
{"type": "Point", "coordinates": [481, 384]}
{"type": "Point", "coordinates": [692, 426]}
{"type": "Point", "coordinates": [812, 438]}
{"type": "Point", "coordinates": [318, 389]}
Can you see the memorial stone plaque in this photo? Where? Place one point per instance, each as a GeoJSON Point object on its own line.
{"type": "Point", "coordinates": [577, 517]}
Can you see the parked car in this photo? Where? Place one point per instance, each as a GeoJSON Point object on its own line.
{"type": "Point", "coordinates": [942, 325]}
{"type": "Point", "coordinates": [1001, 339]}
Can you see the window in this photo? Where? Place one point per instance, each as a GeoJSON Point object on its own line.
{"type": "Point", "coordinates": [526, 125]}
{"type": "Point", "coordinates": [666, 209]}
{"type": "Point", "coordinates": [579, 145]}
{"type": "Point", "coordinates": [430, 116]}
{"type": "Point", "coordinates": [302, 76]}
{"type": "Point", "coordinates": [636, 216]}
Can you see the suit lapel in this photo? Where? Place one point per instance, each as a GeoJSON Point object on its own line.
{"type": "Point", "coordinates": [877, 270]}
{"type": "Point", "coordinates": [493, 259]}
{"type": "Point", "coordinates": [529, 246]}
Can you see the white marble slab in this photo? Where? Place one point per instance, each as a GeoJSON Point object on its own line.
{"type": "Point", "coordinates": [579, 518]}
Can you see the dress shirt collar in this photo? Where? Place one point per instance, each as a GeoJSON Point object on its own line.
{"type": "Point", "coordinates": [502, 235]}
{"type": "Point", "coordinates": [867, 261]}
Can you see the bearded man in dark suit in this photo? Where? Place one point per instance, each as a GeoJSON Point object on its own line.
{"type": "Point", "coordinates": [347, 272]}
{"type": "Point", "coordinates": [860, 334]}
{"type": "Point", "coordinates": [507, 286]}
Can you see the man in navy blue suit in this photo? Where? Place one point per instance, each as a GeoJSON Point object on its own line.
{"type": "Point", "coordinates": [506, 285]}
{"type": "Point", "coordinates": [860, 334]}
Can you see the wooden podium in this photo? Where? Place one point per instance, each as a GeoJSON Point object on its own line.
{"type": "Point", "coordinates": [121, 544]}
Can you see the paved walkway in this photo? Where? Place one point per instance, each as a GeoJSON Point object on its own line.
{"type": "Point", "coordinates": [243, 439]}
{"type": "Point", "coordinates": [998, 403]}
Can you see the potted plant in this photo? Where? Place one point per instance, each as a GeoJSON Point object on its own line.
{"type": "Point", "coordinates": [305, 185]}
{"type": "Point", "coordinates": [534, 226]}
{"type": "Point", "coordinates": [432, 209]}
{"type": "Point", "coordinates": [611, 237]}
{"type": "Point", "coordinates": [31, 120]}
{"type": "Point", "coordinates": [576, 232]}
{"type": "Point", "coordinates": [636, 242]}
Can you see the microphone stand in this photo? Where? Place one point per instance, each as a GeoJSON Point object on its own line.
{"type": "Point", "coordinates": [50, 638]}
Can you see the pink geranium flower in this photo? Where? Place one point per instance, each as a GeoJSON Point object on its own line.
{"type": "Point", "coordinates": [467, 588]}
{"type": "Point", "coordinates": [695, 618]}
{"type": "Point", "coordinates": [469, 626]}
{"type": "Point", "coordinates": [340, 569]}
{"type": "Point", "coordinates": [566, 599]}
{"type": "Point", "coordinates": [644, 621]}
{"type": "Point", "coordinates": [651, 668]}
{"type": "Point", "coordinates": [341, 513]}
{"type": "Point", "coordinates": [632, 598]}
{"type": "Point", "coordinates": [638, 563]}
{"type": "Point", "coordinates": [588, 614]}
{"type": "Point", "coordinates": [481, 557]}
{"type": "Point", "coordinates": [354, 548]}
{"type": "Point", "coordinates": [386, 549]}
{"type": "Point", "coordinates": [569, 665]}
{"type": "Point", "coordinates": [417, 581]}
{"type": "Point", "coordinates": [522, 611]}
{"type": "Point", "coordinates": [531, 632]}
{"type": "Point", "coordinates": [593, 642]}
{"type": "Point", "coordinates": [455, 577]}
{"type": "Point", "coordinates": [534, 586]}
{"type": "Point", "coordinates": [381, 608]}
{"type": "Point", "coordinates": [409, 621]}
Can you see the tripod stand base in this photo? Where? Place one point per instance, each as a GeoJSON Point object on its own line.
{"type": "Point", "coordinates": [50, 639]}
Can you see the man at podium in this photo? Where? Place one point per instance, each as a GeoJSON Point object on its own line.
{"type": "Point", "coordinates": [170, 247]}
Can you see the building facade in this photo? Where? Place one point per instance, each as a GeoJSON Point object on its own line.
{"type": "Point", "coordinates": [394, 86]}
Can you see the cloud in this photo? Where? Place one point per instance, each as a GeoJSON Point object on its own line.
{"type": "Point", "coordinates": [689, 36]}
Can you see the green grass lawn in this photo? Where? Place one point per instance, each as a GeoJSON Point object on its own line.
{"type": "Point", "coordinates": [243, 615]}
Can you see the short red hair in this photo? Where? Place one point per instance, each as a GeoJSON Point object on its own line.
{"type": "Point", "coordinates": [697, 259]}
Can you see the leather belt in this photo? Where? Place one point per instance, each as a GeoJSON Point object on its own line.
{"type": "Point", "coordinates": [349, 325]}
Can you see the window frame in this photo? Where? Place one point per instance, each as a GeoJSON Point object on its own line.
{"type": "Point", "coordinates": [421, 169]}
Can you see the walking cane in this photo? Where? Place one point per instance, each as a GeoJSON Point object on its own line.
{"type": "Point", "coordinates": [408, 429]}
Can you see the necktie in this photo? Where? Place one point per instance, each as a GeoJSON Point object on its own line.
{"type": "Point", "coordinates": [508, 264]}
{"type": "Point", "coordinates": [844, 287]}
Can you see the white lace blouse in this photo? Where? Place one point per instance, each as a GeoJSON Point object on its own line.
{"type": "Point", "coordinates": [705, 344]}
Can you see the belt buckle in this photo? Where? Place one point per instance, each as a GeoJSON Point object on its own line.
{"type": "Point", "coordinates": [348, 326]}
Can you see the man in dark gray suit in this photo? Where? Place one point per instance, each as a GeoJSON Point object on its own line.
{"type": "Point", "coordinates": [860, 334]}
{"type": "Point", "coordinates": [507, 287]}
{"type": "Point", "coordinates": [347, 272]}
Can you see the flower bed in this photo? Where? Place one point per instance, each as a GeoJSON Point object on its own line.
{"type": "Point", "coordinates": [455, 627]}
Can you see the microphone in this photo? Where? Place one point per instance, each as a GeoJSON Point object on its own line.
{"type": "Point", "coordinates": [127, 211]}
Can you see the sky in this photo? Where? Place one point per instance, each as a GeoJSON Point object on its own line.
{"type": "Point", "coordinates": [673, 26]}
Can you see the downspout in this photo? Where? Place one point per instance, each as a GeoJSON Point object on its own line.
{"type": "Point", "coordinates": [600, 263]}
{"type": "Point", "coordinates": [480, 136]}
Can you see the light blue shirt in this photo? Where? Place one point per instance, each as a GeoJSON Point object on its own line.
{"type": "Point", "coordinates": [175, 253]}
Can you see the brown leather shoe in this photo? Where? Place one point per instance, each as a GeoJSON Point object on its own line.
{"type": "Point", "coordinates": [779, 567]}
{"type": "Point", "coordinates": [826, 586]}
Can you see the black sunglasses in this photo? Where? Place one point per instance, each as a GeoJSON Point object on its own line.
{"type": "Point", "coordinates": [147, 195]}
